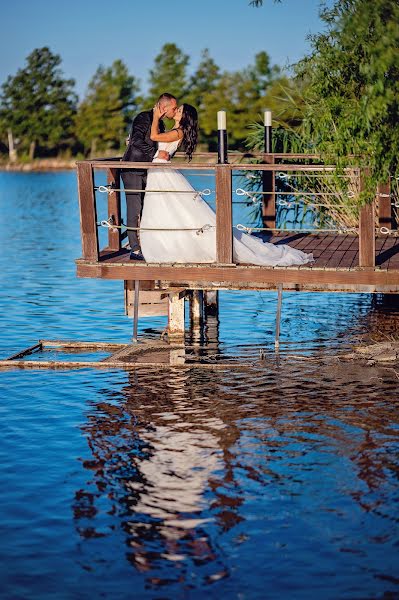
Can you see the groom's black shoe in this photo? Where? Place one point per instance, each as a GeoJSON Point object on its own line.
{"type": "Point", "coordinates": [136, 255]}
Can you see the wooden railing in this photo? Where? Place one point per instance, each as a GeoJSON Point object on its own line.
{"type": "Point", "coordinates": [223, 186]}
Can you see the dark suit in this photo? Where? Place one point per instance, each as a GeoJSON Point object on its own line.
{"type": "Point", "coordinates": [140, 149]}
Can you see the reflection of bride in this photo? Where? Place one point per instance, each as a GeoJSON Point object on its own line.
{"type": "Point", "coordinates": [187, 213]}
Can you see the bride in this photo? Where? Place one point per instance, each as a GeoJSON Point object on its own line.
{"type": "Point", "coordinates": [178, 226]}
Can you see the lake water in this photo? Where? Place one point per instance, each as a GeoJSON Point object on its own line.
{"type": "Point", "coordinates": [276, 482]}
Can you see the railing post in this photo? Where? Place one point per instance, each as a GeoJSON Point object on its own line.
{"type": "Point", "coordinates": [269, 197]}
{"type": "Point", "coordinates": [385, 213]}
{"type": "Point", "coordinates": [114, 209]}
{"type": "Point", "coordinates": [224, 217]}
{"type": "Point", "coordinates": [366, 231]}
{"type": "Point", "coordinates": [88, 212]}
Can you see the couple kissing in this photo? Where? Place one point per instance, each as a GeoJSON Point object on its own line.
{"type": "Point", "coordinates": [167, 219]}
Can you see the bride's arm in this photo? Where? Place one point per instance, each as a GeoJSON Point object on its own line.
{"type": "Point", "coordinates": [168, 136]}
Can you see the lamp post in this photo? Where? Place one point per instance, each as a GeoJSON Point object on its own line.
{"type": "Point", "coordinates": [268, 183]}
{"type": "Point", "coordinates": [267, 121]}
{"type": "Point", "coordinates": [222, 137]}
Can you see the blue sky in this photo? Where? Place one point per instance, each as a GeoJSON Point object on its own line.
{"type": "Point", "coordinates": [87, 33]}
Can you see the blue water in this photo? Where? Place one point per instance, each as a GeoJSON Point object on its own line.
{"type": "Point", "coordinates": [276, 482]}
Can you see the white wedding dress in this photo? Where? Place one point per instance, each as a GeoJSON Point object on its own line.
{"type": "Point", "coordinates": [195, 238]}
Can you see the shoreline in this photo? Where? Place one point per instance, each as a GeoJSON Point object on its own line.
{"type": "Point", "coordinates": [45, 164]}
{"type": "Point", "coordinates": [56, 164]}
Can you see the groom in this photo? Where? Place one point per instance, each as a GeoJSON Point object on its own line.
{"type": "Point", "coordinates": [141, 148]}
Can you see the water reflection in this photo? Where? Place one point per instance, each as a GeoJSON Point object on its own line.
{"type": "Point", "coordinates": [279, 482]}
{"type": "Point", "coordinates": [195, 465]}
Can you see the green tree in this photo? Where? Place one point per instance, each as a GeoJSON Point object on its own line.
{"type": "Point", "coordinates": [243, 95]}
{"type": "Point", "coordinates": [351, 86]}
{"type": "Point", "coordinates": [106, 111]}
{"type": "Point", "coordinates": [203, 80]}
{"type": "Point", "coordinates": [201, 88]}
{"type": "Point", "coordinates": [352, 94]}
{"type": "Point", "coordinates": [169, 73]}
{"type": "Point", "coordinates": [37, 105]}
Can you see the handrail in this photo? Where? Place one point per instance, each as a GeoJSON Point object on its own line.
{"type": "Point", "coordinates": [103, 164]}
{"type": "Point", "coordinates": [223, 183]}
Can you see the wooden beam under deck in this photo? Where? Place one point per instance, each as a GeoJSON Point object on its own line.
{"type": "Point", "coordinates": [335, 268]}
{"type": "Point", "coordinates": [237, 277]}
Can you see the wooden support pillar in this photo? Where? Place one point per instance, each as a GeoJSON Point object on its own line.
{"type": "Point", "coordinates": [145, 286]}
{"type": "Point", "coordinates": [114, 209]}
{"type": "Point", "coordinates": [269, 197]}
{"type": "Point", "coordinates": [88, 212]}
{"type": "Point", "coordinates": [224, 216]}
{"type": "Point", "coordinates": [176, 315]}
{"type": "Point", "coordinates": [367, 233]}
{"type": "Point", "coordinates": [196, 308]}
{"type": "Point", "coordinates": [136, 310]}
{"type": "Point", "coordinates": [278, 316]}
{"type": "Point", "coordinates": [385, 212]}
{"type": "Point", "coordinates": [211, 302]}
{"type": "Point", "coordinates": [211, 318]}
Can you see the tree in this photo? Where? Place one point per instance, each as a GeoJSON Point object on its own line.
{"type": "Point", "coordinates": [106, 111]}
{"type": "Point", "coordinates": [351, 86]}
{"type": "Point", "coordinates": [241, 94]}
{"type": "Point", "coordinates": [169, 73]}
{"type": "Point", "coordinates": [37, 105]}
{"type": "Point", "coordinates": [204, 80]}
{"type": "Point", "coordinates": [202, 86]}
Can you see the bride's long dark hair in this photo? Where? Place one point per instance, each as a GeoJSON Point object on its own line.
{"type": "Point", "coordinates": [189, 126]}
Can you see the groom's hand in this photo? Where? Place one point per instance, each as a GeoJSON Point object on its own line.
{"type": "Point", "coordinates": [163, 154]}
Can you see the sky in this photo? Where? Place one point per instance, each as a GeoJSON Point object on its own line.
{"type": "Point", "coordinates": [87, 33]}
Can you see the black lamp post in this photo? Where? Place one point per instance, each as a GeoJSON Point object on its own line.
{"type": "Point", "coordinates": [222, 137]}
{"type": "Point", "coordinates": [268, 130]}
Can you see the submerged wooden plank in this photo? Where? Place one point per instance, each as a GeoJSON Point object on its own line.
{"type": "Point", "coordinates": [29, 350]}
{"type": "Point", "coordinates": [81, 344]}
{"type": "Point", "coordinates": [48, 364]}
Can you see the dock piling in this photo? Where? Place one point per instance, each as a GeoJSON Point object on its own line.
{"type": "Point", "coordinates": [136, 309]}
{"type": "Point", "coordinates": [176, 315]}
{"type": "Point", "coordinates": [278, 316]}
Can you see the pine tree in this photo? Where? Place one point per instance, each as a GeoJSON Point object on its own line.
{"type": "Point", "coordinates": [106, 111]}
{"type": "Point", "coordinates": [37, 105]}
{"type": "Point", "coordinates": [169, 74]}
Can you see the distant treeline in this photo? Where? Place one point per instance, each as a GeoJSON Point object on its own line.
{"type": "Point", "coordinates": [341, 100]}
{"type": "Point", "coordinates": [40, 114]}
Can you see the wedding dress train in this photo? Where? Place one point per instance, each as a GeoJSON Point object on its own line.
{"type": "Point", "coordinates": [178, 226]}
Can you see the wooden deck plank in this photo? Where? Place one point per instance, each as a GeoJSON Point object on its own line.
{"type": "Point", "coordinates": [328, 250]}
{"type": "Point", "coordinates": [351, 259]}
{"type": "Point", "coordinates": [321, 251]}
{"type": "Point", "coordinates": [388, 257]}
{"type": "Point", "coordinates": [326, 257]}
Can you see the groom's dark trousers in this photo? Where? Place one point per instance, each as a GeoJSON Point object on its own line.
{"type": "Point", "coordinates": [140, 149]}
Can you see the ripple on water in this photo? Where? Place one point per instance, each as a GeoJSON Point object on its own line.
{"type": "Point", "coordinates": [277, 482]}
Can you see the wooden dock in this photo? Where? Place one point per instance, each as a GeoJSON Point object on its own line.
{"type": "Point", "coordinates": [364, 261]}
